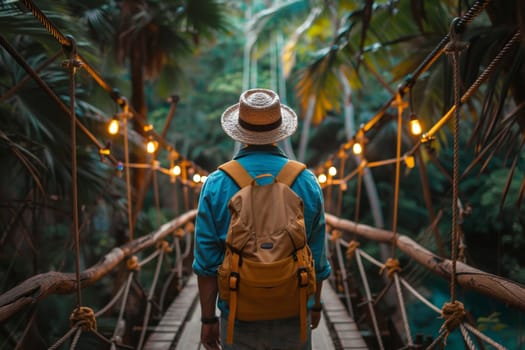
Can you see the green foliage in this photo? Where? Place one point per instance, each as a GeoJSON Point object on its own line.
{"type": "Point", "coordinates": [490, 322]}
{"type": "Point", "coordinates": [206, 72]}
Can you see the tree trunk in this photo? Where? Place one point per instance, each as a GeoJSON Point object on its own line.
{"type": "Point", "coordinates": [306, 129]}
{"type": "Point", "coordinates": [138, 101]}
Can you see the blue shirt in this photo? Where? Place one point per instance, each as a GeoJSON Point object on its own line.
{"type": "Point", "coordinates": [213, 216]}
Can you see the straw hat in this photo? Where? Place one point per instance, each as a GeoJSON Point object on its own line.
{"type": "Point", "coordinates": [259, 118]}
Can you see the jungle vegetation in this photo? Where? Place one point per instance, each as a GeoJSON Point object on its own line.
{"type": "Point", "coordinates": [335, 62]}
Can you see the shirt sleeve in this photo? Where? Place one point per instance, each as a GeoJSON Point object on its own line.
{"type": "Point", "coordinates": [208, 250]}
{"type": "Point", "coordinates": [318, 246]}
{"type": "Point", "coordinates": [317, 234]}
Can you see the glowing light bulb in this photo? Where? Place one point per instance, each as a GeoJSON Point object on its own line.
{"type": "Point", "coordinates": [357, 148]}
{"type": "Point", "coordinates": [322, 178]}
{"type": "Point", "coordinates": [415, 127]}
{"type": "Point", "coordinates": [151, 146]}
{"type": "Point", "coordinates": [176, 170]}
{"type": "Point", "coordinates": [204, 178]}
{"type": "Point", "coordinates": [196, 178]}
{"type": "Point", "coordinates": [113, 126]}
{"type": "Point", "coordinates": [332, 171]}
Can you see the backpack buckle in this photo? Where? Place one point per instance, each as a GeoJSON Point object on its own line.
{"type": "Point", "coordinates": [234, 280]}
{"type": "Point", "coordinates": [302, 276]}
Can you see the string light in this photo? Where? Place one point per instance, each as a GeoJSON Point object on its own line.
{"type": "Point", "coordinates": [204, 178]}
{"type": "Point", "coordinates": [332, 171]}
{"type": "Point", "coordinates": [151, 146]}
{"type": "Point", "coordinates": [415, 126]}
{"type": "Point", "coordinates": [359, 141]}
{"type": "Point", "coordinates": [322, 178]}
{"type": "Point", "coordinates": [176, 170]}
{"type": "Point", "coordinates": [113, 126]}
{"type": "Point", "coordinates": [196, 178]}
{"type": "Point", "coordinates": [357, 148]}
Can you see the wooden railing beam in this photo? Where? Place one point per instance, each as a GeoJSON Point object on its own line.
{"type": "Point", "coordinates": [39, 286]}
{"type": "Point", "coordinates": [505, 290]}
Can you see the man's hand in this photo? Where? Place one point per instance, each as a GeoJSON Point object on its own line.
{"type": "Point", "coordinates": [315, 317]}
{"type": "Point", "coordinates": [210, 336]}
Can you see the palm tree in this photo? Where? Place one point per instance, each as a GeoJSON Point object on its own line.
{"type": "Point", "coordinates": [152, 39]}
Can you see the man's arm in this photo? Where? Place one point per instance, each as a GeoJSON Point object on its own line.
{"type": "Point", "coordinates": [208, 289]}
{"type": "Point", "coordinates": [210, 334]}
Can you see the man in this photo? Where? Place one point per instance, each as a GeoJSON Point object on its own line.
{"type": "Point", "coordinates": [258, 121]}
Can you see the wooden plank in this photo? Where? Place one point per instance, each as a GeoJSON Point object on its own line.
{"type": "Point", "coordinates": [190, 338]}
{"type": "Point", "coordinates": [174, 318]}
{"type": "Point", "coordinates": [183, 318]}
{"type": "Point", "coordinates": [345, 328]}
{"type": "Point", "coordinates": [321, 338]}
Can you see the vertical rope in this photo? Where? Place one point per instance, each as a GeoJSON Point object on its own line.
{"type": "Point", "coordinates": [344, 275]}
{"type": "Point", "coordinates": [74, 342]}
{"type": "Point", "coordinates": [466, 337]}
{"type": "Point", "coordinates": [453, 49]}
{"type": "Point", "coordinates": [156, 195]}
{"type": "Point", "coordinates": [128, 176]}
{"type": "Point", "coordinates": [72, 64]}
{"type": "Point", "coordinates": [400, 107]}
{"type": "Point", "coordinates": [369, 298]}
{"type": "Point", "coordinates": [342, 186]}
{"type": "Point", "coordinates": [455, 178]}
{"type": "Point", "coordinates": [402, 307]}
{"type": "Point", "coordinates": [122, 307]}
{"type": "Point", "coordinates": [358, 194]}
{"type": "Point", "coordinates": [150, 297]}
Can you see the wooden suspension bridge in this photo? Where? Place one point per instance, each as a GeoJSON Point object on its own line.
{"type": "Point", "coordinates": [177, 326]}
{"type": "Point", "coordinates": [352, 316]}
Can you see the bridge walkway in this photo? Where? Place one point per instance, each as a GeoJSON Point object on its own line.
{"type": "Point", "coordinates": [180, 327]}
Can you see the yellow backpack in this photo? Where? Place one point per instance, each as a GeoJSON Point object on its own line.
{"type": "Point", "coordinates": [268, 270]}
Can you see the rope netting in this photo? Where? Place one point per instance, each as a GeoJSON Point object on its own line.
{"type": "Point", "coordinates": [83, 319]}
{"type": "Point", "coordinates": [453, 316]}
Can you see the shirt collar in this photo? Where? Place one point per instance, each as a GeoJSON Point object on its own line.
{"type": "Point", "coordinates": [254, 149]}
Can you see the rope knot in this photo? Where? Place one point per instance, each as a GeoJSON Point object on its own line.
{"type": "Point", "coordinates": [453, 313]}
{"type": "Point", "coordinates": [352, 247]}
{"type": "Point", "coordinates": [133, 263]}
{"type": "Point", "coordinates": [455, 44]}
{"type": "Point", "coordinates": [336, 234]}
{"type": "Point", "coordinates": [83, 317]}
{"type": "Point", "coordinates": [164, 246]}
{"type": "Point", "coordinates": [179, 232]}
{"type": "Point", "coordinates": [391, 266]}
{"type": "Point", "coordinates": [189, 227]}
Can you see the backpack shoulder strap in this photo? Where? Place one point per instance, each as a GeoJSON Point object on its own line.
{"type": "Point", "coordinates": [237, 172]}
{"type": "Point", "coordinates": [290, 171]}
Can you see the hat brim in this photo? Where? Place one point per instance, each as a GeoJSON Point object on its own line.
{"type": "Point", "coordinates": [230, 125]}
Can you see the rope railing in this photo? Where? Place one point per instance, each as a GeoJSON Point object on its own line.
{"type": "Point", "coordinates": [423, 257]}
{"type": "Point", "coordinates": [134, 266]}
{"type": "Point", "coordinates": [23, 295]}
